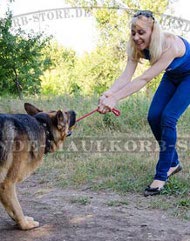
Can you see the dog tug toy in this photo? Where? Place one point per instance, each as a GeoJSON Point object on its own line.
{"type": "Point", "coordinates": [114, 111]}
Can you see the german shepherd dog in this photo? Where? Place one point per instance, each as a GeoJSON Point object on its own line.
{"type": "Point", "coordinates": [24, 139]}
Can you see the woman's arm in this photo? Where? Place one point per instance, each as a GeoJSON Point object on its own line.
{"type": "Point", "coordinates": [119, 84]}
{"type": "Point", "coordinates": [139, 82]}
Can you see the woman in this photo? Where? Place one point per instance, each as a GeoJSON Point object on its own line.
{"type": "Point", "coordinates": [168, 53]}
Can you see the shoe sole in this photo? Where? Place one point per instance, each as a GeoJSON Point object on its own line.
{"type": "Point", "coordinates": [152, 191]}
{"type": "Point", "coordinates": [178, 169]}
{"type": "Point", "coordinates": [147, 193]}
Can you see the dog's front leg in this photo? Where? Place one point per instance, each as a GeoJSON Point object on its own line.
{"type": "Point", "coordinates": [10, 202]}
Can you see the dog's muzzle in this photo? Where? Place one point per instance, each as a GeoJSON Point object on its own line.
{"type": "Point", "coordinates": [72, 121]}
{"type": "Point", "coordinates": [69, 133]}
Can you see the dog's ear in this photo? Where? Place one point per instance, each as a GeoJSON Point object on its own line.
{"type": "Point", "coordinates": [60, 120]}
{"type": "Point", "coordinates": [31, 109]}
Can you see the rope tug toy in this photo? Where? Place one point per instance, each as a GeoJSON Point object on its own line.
{"type": "Point", "coordinates": [114, 111]}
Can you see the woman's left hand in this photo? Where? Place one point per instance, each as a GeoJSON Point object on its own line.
{"type": "Point", "coordinates": [109, 102]}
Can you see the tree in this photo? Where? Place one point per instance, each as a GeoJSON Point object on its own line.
{"type": "Point", "coordinates": [60, 77]}
{"type": "Point", "coordinates": [112, 20]}
{"type": "Point", "coordinates": [21, 59]}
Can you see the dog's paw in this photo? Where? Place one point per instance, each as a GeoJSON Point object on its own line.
{"type": "Point", "coordinates": [29, 224]}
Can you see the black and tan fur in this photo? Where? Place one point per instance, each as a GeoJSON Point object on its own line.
{"type": "Point", "coordinates": [24, 139]}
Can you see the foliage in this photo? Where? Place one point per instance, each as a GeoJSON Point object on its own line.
{"type": "Point", "coordinates": [86, 75]}
{"type": "Point", "coordinates": [21, 59]}
{"type": "Point", "coordinates": [30, 63]}
{"type": "Point", "coordinates": [60, 77]}
{"type": "Point", "coordinates": [97, 70]}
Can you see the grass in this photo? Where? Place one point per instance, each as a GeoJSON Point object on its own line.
{"type": "Point", "coordinates": [112, 153]}
{"type": "Point", "coordinates": [80, 200]}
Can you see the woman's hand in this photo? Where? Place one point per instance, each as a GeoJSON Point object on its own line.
{"type": "Point", "coordinates": [106, 104]}
{"type": "Point", "coordinates": [101, 99]}
{"type": "Point", "coordinates": [110, 102]}
{"type": "Point", "coordinates": [105, 95]}
{"type": "Point", "coordinates": [101, 107]}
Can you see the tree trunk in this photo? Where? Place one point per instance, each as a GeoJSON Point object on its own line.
{"type": "Point", "coordinates": [18, 86]}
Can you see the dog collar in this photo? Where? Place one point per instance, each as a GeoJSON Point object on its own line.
{"type": "Point", "coordinates": [44, 122]}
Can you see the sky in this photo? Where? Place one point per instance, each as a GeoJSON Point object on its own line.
{"type": "Point", "coordinates": [71, 27]}
{"type": "Point", "coordinates": [181, 9]}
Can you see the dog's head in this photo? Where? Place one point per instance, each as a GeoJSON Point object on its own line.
{"type": "Point", "coordinates": [57, 124]}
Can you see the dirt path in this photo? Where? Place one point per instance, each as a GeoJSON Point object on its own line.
{"type": "Point", "coordinates": [64, 217]}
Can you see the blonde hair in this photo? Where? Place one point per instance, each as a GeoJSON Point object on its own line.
{"type": "Point", "coordinates": [156, 46]}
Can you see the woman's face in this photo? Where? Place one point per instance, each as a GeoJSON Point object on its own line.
{"type": "Point", "coordinates": [141, 31]}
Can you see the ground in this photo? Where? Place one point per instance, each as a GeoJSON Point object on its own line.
{"type": "Point", "coordinates": [84, 215]}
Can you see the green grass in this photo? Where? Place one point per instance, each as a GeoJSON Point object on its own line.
{"type": "Point", "coordinates": [80, 200]}
{"type": "Point", "coordinates": [112, 153]}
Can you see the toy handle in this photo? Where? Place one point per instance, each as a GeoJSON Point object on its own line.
{"type": "Point", "coordinates": [116, 112]}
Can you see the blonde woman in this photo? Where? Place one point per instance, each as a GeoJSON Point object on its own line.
{"type": "Point", "coordinates": [168, 53]}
